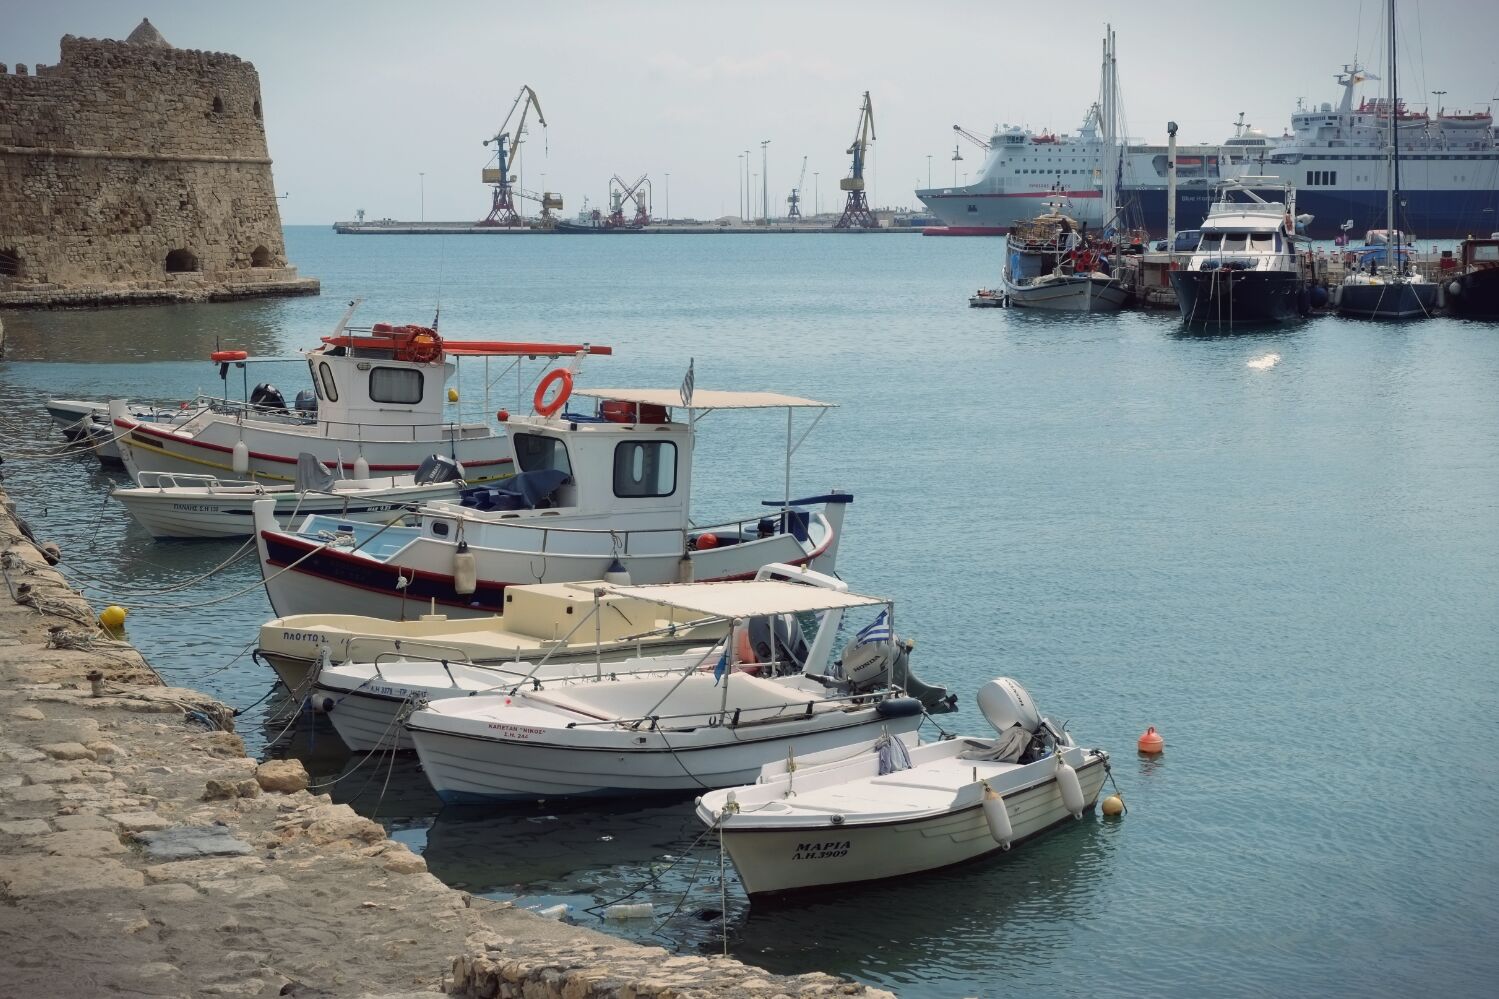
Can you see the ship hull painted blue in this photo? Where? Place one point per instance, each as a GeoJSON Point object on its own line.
{"type": "Point", "coordinates": [1427, 214]}
{"type": "Point", "coordinates": [1387, 301]}
{"type": "Point", "coordinates": [1238, 298]}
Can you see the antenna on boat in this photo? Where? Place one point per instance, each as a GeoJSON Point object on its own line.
{"type": "Point", "coordinates": [343, 321]}
{"type": "Point", "coordinates": [442, 254]}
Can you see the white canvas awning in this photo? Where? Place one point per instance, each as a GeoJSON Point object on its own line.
{"type": "Point", "coordinates": [706, 398]}
{"type": "Point", "coordinates": [746, 598]}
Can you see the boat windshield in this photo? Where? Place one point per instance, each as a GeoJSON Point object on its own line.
{"type": "Point", "coordinates": [1212, 241]}
{"type": "Point", "coordinates": [1264, 241]}
{"type": "Point", "coordinates": [1233, 241]}
{"type": "Point", "coordinates": [535, 453]}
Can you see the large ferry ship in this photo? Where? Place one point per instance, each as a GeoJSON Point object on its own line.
{"type": "Point", "coordinates": [1334, 156]}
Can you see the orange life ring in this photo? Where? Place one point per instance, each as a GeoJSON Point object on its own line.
{"type": "Point", "coordinates": [224, 356]}
{"type": "Point", "coordinates": [422, 345]}
{"type": "Point", "coordinates": [555, 375]}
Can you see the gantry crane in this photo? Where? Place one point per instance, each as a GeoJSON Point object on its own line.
{"type": "Point", "coordinates": [795, 200]}
{"type": "Point", "coordinates": [639, 193]}
{"type": "Point", "coordinates": [507, 158]}
{"type": "Point", "coordinates": [856, 213]}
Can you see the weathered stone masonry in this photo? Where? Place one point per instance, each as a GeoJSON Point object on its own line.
{"type": "Point", "coordinates": [133, 167]}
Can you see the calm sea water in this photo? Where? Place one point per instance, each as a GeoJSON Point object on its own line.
{"type": "Point", "coordinates": [1292, 571]}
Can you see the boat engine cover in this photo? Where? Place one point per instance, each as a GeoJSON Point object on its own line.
{"type": "Point", "coordinates": [867, 664]}
{"type": "Point", "coordinates": [1006, 704]}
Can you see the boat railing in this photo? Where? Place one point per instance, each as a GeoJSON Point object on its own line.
{"type": "Point", "coordinates": [733, 718]}
{"type": "Point", "coordinates": [754, 524]}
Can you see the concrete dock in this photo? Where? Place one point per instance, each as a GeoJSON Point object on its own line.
{"type": "Point", "coordinates": [143, 853]}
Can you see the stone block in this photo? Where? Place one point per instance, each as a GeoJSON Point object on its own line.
{"type": "Point", "coordinates": [188, 842]}
{"type": "Point", "coordinates": [70, 823]}
{"type": "Point", "coordinates": [40, 874]}
{"type": "Point", "coordinates": [82, 843]}
{"type": "Point", "coordinates": [50, 773]}
{"type": "Point", "coordinates": [135, 822]}
{"type": "Point", "coordinates": [25, 827]}
{"type": "Point", "coordinates": [282, 776]}
{"type": "Point", "coordinates": [67, 751]}
{"type": "Point", "coordinates": [28, 713]}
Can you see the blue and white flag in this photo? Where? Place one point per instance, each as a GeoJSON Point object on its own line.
{"type": "Point", "coordinates": [687, 384]}
{"type": "Point", "coordinates": [721, 667]}
{"type": "Point", "coordinates": [877, 631]}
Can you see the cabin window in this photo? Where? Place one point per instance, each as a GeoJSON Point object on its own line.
{"type": "Point", "coordinates": [535, 453]}
{"type": "Point", "coordinates": [401, 386]}
{"type": "Point", "coordinates": [645, 468]}
{"type": "Point", "coordinates": [1233, 241]}
{"type": "Point", "coordinates": [329, 389]}
{"type": "Point", "coordinates": [1212, 241]}
{"type": "Point", "coordinates": [1264, 240]}
{"type": "Point", "coordinates": [1487, 253]}
{"type": "Point", "coordinates": [316, 386]}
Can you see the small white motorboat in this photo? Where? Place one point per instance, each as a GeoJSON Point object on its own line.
{"type": "Point", "coordinates": [85, 421]}
{"type": "Point", "coordinates": [897, 808]}
{"type": "Point", "coordinates": [178, 505]}
{"type": "Point", "coordinates": [643, 734]}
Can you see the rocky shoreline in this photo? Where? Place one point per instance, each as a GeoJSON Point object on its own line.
{"type": "Point", "coordinates": [142, 852]}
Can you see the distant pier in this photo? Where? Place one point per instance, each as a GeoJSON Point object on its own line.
{"type": "Point", "coordinates": [393, 228]}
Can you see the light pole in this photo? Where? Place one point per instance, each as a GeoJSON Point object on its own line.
{"type": "Point", "coordinates": [1439, 94]}
{"type": "Point", "coordinates": [928, 169]}
{"type": "Point", "coordinates": [957, 157]}
{"type": "Point", "coordinates": [749, 199]}
{"type": "Point", "coordinates": [423, 178]}
{"type": "Point", "coordinates": [668, 197]}
{"type": "Point", "coordinates": [816, 192]}
{"type": "Point", "coordinates": [764, 180]}
{"type": "Point", "coordinates": [739, 179]}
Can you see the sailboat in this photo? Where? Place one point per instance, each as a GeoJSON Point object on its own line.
{"type": "Point", "coordinates": [1384, 285]}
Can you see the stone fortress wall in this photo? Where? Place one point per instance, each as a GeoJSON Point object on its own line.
{"type": "Point", "coordinates": [132, 170]}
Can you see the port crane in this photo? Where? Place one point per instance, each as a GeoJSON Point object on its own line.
{"type": "Point", "coordinates": [856, 213]}
{"type": "Point", "coordinates": [981, 143]}
{"type": "Point", "coordinates": [502, 211]}
{"type": "Point", "coordinates": [638, 193]}
{"type": "Point", "coordinates": [794, 211]}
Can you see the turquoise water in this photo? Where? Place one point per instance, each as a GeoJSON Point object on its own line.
{"type": "Point", "coordinates": [1292, 571]}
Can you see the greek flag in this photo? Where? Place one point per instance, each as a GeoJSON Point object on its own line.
{"type": "Point", "coordinates": [687, 385]}
{"type": "Point", "coordinates": [877, 631]}
{"type": "Point", "coordinates": [721, 667]}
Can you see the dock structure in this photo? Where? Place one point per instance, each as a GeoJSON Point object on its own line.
{"type": "Point", "coordinates": [394, 228]}
{"type": "Point", "coordinates": [142, 852]}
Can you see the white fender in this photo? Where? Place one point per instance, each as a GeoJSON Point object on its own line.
{"type": "Point", "coordinates": [361, 468]}
{"type": "Point", "coordinates": [465, 573]}
{"type": "Point", "coordinates": [241, 461]}
{"type": "Point", "coordinates": [998, 817]}
{"type": "Point", "coordinates": [1070, 786]}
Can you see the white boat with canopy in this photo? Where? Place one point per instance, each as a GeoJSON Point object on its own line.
{"type": "Point", "coordinates": [711, 725]}
{"type": "Point", "coordinates": [892, 807]}
{"type": "Point", "coordinates": [601, 494]}
{"type": "Point", "coordinates": [379, 410]}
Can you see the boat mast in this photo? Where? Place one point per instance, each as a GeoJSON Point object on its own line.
{"type": "Point", "coordinates": [1392, 189]}
{"type": "Point", "coordinates": [1110, 164]}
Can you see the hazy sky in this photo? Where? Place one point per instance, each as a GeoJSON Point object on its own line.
{"type": "Point", "coordinates": [362, 98]}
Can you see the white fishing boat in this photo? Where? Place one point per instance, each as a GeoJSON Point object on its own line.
{"type": "Point", "coordinates": [599, 491]}
{"type": "Point", "coordinates": [380, 398]}
{"type": "Point", "coordinates": [895, 807]}
{"type": "Point", "coordinates": [84, 420]}
{"type": "Point", "coordinates": [540, 619]}
{"type": "Point", "coordinates": [177, 505]}
{"type": "Point", "coordinates": [1051, 263]}
{"type": "Point", "coordinates": [713, 725]}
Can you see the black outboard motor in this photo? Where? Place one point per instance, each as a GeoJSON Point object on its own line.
{"type": "Point", "coordinates": [438, 468]}
{"type": "Point", "coordinates": [268, 397]}
{"type": "Point", "coordinates": [306, 401]}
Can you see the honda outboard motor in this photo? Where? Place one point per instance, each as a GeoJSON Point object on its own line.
{"type": "Point", "coordinates": [866, 665]}
{"type": "Point", "coordinates": [438, 468]}
{"type": "Point", "coordinates": [779, 639]}
{"type": "Point", "coordinates": [267, 396]}
{"type": "Point", "coordinates": [306, 401]}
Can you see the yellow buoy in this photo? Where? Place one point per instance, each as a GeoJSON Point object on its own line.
{"type": "Point", "coordinates": [452, 395]}
{"type": "Point", "coordinates": [112, 618]}
{"type": "Point", "coordinates": [1113, 805]}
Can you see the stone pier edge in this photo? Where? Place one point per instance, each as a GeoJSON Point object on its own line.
{"type": "Point", "coordinates": [142, 851]}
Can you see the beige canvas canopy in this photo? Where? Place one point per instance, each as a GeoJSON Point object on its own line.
{"type": "Point", "coordinates": [706, 398]}
{"type": "Point", "coordinates": [744, 598]}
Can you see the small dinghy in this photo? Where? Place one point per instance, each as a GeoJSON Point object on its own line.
{"type": "Point", "coordinates": [177, 505]}
{"type": "Point", "coordinates": [714, 724]}
{"type": "Point", "coordinates": [896, 807]}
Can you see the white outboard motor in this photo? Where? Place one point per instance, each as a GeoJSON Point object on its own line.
{"type": "Point", "coordinates": [1006, 704]}
{"type": "Point", "coordinates": [866, 665]}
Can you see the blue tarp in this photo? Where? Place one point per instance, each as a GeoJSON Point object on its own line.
{"type": "Point", "coordinates": [522, 491]}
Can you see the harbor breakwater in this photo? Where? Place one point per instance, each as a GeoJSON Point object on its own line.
{"type": "Point", "coordinates": [142, 852]}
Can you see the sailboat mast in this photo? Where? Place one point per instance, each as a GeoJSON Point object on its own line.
{"type": "Point", "coordinates": [1392, 190]}
{"type": "Point", "coordinates": [1110, 135]}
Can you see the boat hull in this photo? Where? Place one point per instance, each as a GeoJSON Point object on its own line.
{"type": "Point", "coordinates": [469, 769]}
{"type": "Point", "coordinates": [1476, 295]}
{"type": "Point", "coordinates": [778, 862]}
{"type": "Point", "coordinates": [1239, 298]}
{"type": "Point", "coordinates": [1390, 300]}
{"type": "Point", "coordinates": [1075, 294]}
{"type": "Point", "coordinates": [165, 515]}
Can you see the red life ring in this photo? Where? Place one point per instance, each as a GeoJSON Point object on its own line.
{"type": "Point", "coordinates": [555, 375]}
{"type": "Point", "coordinates": [422, 345]}
{"type": "Point", "coordinates": [223, 356]}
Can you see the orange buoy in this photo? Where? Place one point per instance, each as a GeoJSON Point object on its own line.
{"type": "Point", "coordinates": [706, 541]}
{"type": "Point", "coordinates": [224, 356]}
{"type": "Point", "coordinates": [1151, 742]}
{"type": "Point", "coordinates": [503, 415]}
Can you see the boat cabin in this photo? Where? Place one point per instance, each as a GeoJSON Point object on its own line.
{"type": "Point", "coordinates": [391, 377]}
